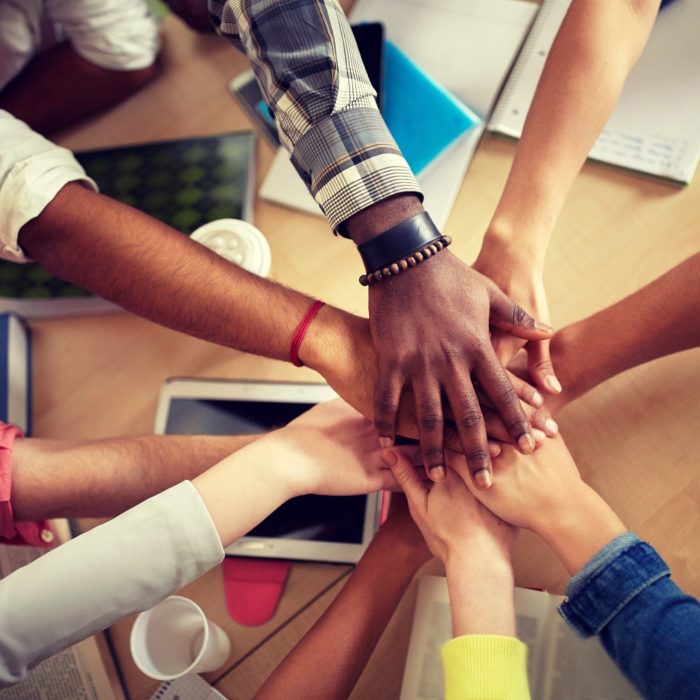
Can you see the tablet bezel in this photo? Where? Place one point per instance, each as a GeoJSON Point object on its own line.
{"type": "Point", "coordinates": [276, 392]}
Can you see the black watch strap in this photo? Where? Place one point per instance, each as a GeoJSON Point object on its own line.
{"type": "Point", "coordinates": [398, 242]}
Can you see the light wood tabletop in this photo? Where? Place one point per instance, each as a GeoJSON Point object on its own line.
{"type": "Point", "coordinates": [634, 437]}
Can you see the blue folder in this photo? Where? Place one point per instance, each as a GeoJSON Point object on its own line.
{"type": "Point", "coordinates": [422, 115]}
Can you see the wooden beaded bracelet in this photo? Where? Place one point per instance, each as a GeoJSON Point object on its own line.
{"type": "Point", "coordinates": [407, 262]}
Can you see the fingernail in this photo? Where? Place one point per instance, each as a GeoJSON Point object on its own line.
{"type": "Point", "coordinates": [553, 383]}
{"type": "Point", "coordinates": [385, 442]}
{"type": "Point", "coordinates": [543, 327]}
{"type": "Point", "coordinates": [551, 426]}
{"type": "Point", "coordinates": [526, 443]}
{"type": "Point", "coordinates": [483, 479]}
{"type": "Point", "coordinates": [437, 473]}
{"type": "Point", "coordinates": [390, 458]}
{"type": "Point", "coordinates": [494, 449]}
{"type": "Point", "coordinates": [539, 436]}
{"type": "Point", "coordinates": [537, 399]}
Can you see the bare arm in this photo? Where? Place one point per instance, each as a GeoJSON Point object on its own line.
{"type": "Point", "coordinates": [174, 537]}
{"type": "Point", "coordinates": [658, 320]}
{"type": "Point", "coordinates": [71, 88]}
{"type": "Point", "coordinates": [151, 269]}
{"type": "Point", "coordinates": [484, 659]}
{"type": "Point", "coordinates": [100, 478]}
{"type": "Point", "coordinates": [344, 638]}
{"type": "Point", "coordinates": [594, 51]}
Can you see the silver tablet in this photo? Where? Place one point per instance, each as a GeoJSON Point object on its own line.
{"type": "Point", "coordinates": [312, 528]}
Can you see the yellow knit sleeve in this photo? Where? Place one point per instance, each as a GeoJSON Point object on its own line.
{"type": "Point", "coordinates": [485, 667]}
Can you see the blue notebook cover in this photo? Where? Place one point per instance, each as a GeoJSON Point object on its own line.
{"type": "Point", "coordinates": [15, 369]}
{"type": "Point", "coordinates": [422, 115]}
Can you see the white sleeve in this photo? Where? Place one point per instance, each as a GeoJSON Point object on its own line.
{"type": "Point", "coordinates": [126, 565]}
{"type": "Point", "coordinates": [32, 171]}
{"type": "Point", "coordinates": [20, 36]}
{"type": "Point", "coordinates": [114, 34]}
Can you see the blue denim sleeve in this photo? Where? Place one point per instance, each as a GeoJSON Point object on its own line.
{"type": "Point", "coordinates": [648, 626]}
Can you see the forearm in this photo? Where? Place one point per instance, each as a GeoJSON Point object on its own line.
{"type": "Point", "coordinates": [595, 49]}
{"type": "Point", "coordinates": [150, 269]}
{"type": "Point", "coordinates": [481, 598]}
{"type": "Point", "coordinates": [659, 319]}
{"type": "Point", "coordinates": [101, 478]}
{"type": "Point", "coordinates": [71, 89]}
{"type": "Point", "coordinates": [577, 526]}
{"type": "Point", "coordinates": [245, 487]}
{"type": "Point", "coordinates": [154, 271]}
{"type": "Point", "coordinates": [344, 638]}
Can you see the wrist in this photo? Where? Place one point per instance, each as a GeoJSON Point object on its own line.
{"type": "Point", "coordinates": [375, 219]}
{"type": "Point", "coordinates": [481, 598]}
{"type": "Point", "coordinates": [577, 526]}
{"type": "Point", "coordinates": [338, 346]}
{"type": "Point", "coordinates": [573, 365]}
{"type": "Point", "coordinates": [279, 466]}
{"type": "Point", "coordinates": [512, 245]}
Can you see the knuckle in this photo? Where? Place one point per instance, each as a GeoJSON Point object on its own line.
{"type": "Point", "coordinates": [403, 477]}
{"type": "Point", "coordinates": [384, 427]}
{"type": "Point", "coordinates": [506, 396]}
{"type": "Point", "coordinates": [470, 419]}
{"type": "Point", "coordinates": [518, 428]}
{"type": "Point", "coordinates": [478, 458]}
{"type": "Point", "coordinates": [431, 421]}
{"type": "Point", "coordinates": [539, 418]}
{"type": "Point", "coordinates": [481, 351]}
{"type": "Point", "coordinates": [386, 403]}
{"type": "Point", "coordinates": [520, 317]}
{"type": "Point", "coordinates": [545, 365]}
{"type": "Point", "coordinates": [455, 357]}
{"type": "Point", "coordinates": [433, 455]}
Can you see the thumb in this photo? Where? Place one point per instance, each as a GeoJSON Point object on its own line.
{"type": "Point", "coordinates": [406, 475]}
{"type": "Point", "coordinates": [508, 316]}
{"type": "Point", "coordinates": [540, 366]}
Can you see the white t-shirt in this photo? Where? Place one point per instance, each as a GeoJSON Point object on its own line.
{"type": "Point", "coordinates": [124, 566]}
{"type": "Point", "coordinates": [115, 34]}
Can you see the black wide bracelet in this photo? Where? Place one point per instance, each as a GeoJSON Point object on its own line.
{"type": "Point", "coordinates": [399, 242]}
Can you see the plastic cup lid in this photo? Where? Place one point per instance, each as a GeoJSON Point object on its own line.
{"type": "Point", "coordinates": [237, 241]}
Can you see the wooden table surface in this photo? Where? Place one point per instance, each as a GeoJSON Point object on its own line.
{"type": "Point", "coordinates": [633, 437]}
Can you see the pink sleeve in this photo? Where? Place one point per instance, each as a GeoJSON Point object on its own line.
{"type": "Point", "coordinates": [36, 533]}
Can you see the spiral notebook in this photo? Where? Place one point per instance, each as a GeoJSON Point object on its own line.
{"type": "Point", "coordinates": [655, 127]}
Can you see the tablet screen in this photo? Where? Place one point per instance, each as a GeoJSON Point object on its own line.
{"type": "Point", "coordinates": [317, 518]}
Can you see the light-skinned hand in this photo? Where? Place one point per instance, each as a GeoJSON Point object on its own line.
{"type": "Point", "coordinates": [522, 281]}
{"type": "Point", "coordinates": [451, 520]}
{"type": "Point", "coordinates": [545, 493]}
{"type": "Point", "coordinates": [331, 450]}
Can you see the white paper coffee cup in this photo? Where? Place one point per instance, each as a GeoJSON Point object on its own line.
{"type": "Point", "coordinates": [174, 638]}
{"type": "Point", "coordinates": [237, 241]}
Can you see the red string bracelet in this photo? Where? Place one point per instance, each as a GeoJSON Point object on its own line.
{"type": "Point", "coordinates": [300, 332]}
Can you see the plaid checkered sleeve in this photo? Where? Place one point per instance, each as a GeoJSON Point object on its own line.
{"type": "Point", "coordinates": [310, 71]}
